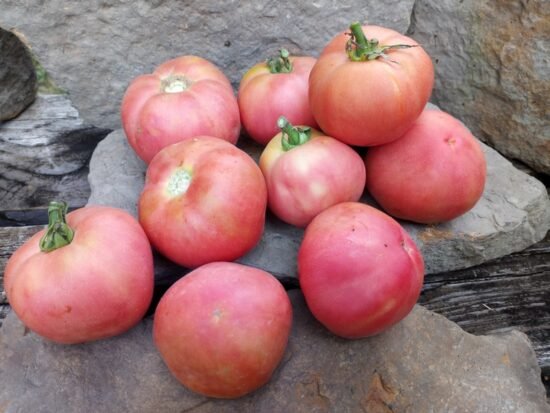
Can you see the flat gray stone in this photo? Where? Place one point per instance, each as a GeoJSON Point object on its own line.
{"type": "Point", "coordinates": [492, 70]}
{"type": "Point", "coordinates": [94, 49]}
{"type": "Point", "coordinates": [116, 174]}
{"type": "Point", "coordinates": [18, 82]}
{"type": "Point", "coordinates": [425, 363]}
{"type": "Point", "coordinates": [513, 213]}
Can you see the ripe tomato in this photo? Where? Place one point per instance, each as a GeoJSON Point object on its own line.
{"type": "Point", "coordinates": [306, 172]}
{"type": "Point", "coordinates": [434, 173]}
{"type": "Point", "coordinates": [204, 200]}
{"type": "Point", "coordinates": [90, 277]}
{"type": "Point", "coordinates": [278, 87]}
{"type": "Point", "coordinates": [359, 270]}
{"type": "Point", "coordinates": [184, 97]}
{"type": "Point", "coordinates": [223, 328]}
{"type": "Point", "coordinates": [368, 91]}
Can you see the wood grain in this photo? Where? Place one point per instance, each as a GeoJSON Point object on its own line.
{"type": "Point", "coordinates": [44, 155]}
{"type": "Point", "coordinates": [512, 292]}
{"type": "Point", "coordinates": [12, 238]}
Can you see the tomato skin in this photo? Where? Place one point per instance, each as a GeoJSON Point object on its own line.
{"type": "Point", "coordinates": [434, 173]}
{"type": "Point", "coordinates": [219, 217]}
{"type": "Point", "coordinates": [309, 178]}
{"type": "Point", "coordinates": [264, 96]}
{"type": "Point", "coordinates": [372, 102]}
{"type": "Point", "coordinates": [360, 272]}
{"type": "Point", "coordinates": [153, 118]}
{"type": "Point", "coordinates": [98, 286]}
{"type": "Point", "coordinates": [223, 328]}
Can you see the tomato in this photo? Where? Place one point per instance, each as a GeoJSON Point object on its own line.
{"type": "Point", "coordinates": [306, 172]}
{"type": "Point", "coordinates": [368, 91]}
{"type": "Point", "coordinates": [204, 200]}
{"type": "Point", "coordinates": [88, 276]}
{"type": "Point", "coordinates": [184, 97]}
{"type": "Point", "coordinates": [434, 173]}
{"type": "Point", "coordinates": [223, 328]}
{"type": "Point", "coordinates": [278, 87]}
{"type": "Point", "coordinates": [359, 270]}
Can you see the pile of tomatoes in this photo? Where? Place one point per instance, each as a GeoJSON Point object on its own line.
{"type": "Point", "coordinates": [331, 129]}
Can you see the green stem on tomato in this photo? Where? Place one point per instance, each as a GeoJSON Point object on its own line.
{"type": "Point", "coordinates": [360, 49]}
{"type": "Point", "coordinates": [58, 233]}
{"type": "Point", "coordinates": [292, 136]}
{"type": "Point", "coordinates": [281, 63]}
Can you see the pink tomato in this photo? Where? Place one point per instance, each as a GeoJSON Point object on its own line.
{"type": "Point", "coordinates": [369, 85]}
{"type": "Point", "coordinates": [434, 173]}
{"type": "Point", "coordinates": [88, 276]}
{"type": "Point", "coordinates": [278, 87]}
{"type": "Point", "coordinates": [307, 172]}
{"type": "Point", "coordinates": [223, 328]}
{"type": "Point", "coordinates": [204, 200]}
{"type": "Point", "coordinates": [359, 270]}
{"type": "Point", "coordinates": [184, 97]}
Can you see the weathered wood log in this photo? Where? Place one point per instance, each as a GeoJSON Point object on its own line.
{"type": "Point", "coordinates": [12, 238]}
{"type": "Point", "coordinates": [44, 154]}
{"type": "Point", "coordinates": [512, 292]}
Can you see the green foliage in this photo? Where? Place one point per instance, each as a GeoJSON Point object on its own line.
{"type": "Point", "coordinates": [45, 83]}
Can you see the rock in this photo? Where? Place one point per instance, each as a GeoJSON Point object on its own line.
{"type": "Point", "coordinates": [18, 83]}
{"type": "Point", "coordinates": [93, 50]}
{"type": "Point", "coordinates": [44, 155]}
{"type": "Point", "coordinates": [492, 70]}
{"type": "Point", "coordinates": [513, 213]}
{"type": "Point", "coordinates": [424, 363]}
{"type": "Point", "coordinates": [114, 155]}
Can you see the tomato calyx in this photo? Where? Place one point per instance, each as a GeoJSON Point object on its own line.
{"type": "Point", "coordinates": [292, 136]}
{"type": "Point", "coordinates": [175, 84]}
{"type": "Point", "coordinates": [58, 233]}
{"type": "Point", "coordinates": [361, 49]}
{"type": "Point", "coordinates": [281, 63]}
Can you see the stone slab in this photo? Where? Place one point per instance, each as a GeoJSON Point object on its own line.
{"type": "Point", "coordinates": [513, 213]}
{"type": "Point", "coordinates": [423, 364]}
{"type": "Point", "coordinates": [492, 70]}
{"type": "Point", "coordinates": [94, 49]}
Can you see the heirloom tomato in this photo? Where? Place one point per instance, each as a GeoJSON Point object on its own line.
{"type": "Point", "coordinates": [278, 87]}
{"type": "Point", "coordinates": [184, 97]}
{"type": "Point", "coordinates": [434, 173]}
{"type": "Point", "coordinates": [223, 328]}
{"type": "Point", "coordinates": [204, 200]}
{"type": "Point", "coordinates": [359, 270]}
{"type": "Point", "coordinates": [368, 86]}
{"type": "Point", "coordinates": [88, 276]}
{"type": "Point", "coordinates": [306, 172]}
